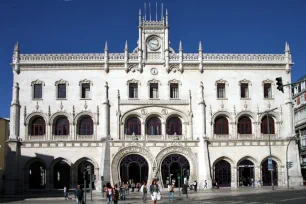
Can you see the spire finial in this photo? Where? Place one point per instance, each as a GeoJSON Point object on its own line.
{"type": "Point", "coordinates": [140, 12]}
{"type": "Point", "coordinates": [287, 48]}
{"type": "Point", "coordinates": [16, 48]}
{"type": "Point", "coordinates": [126, 45]}
{"type": "Point", "coordinates": [106, 47]}
{"type": "Point", "coordinates": [181, 46]}
{"type": "Point", "coordinates": [200, 46]}
{"type": "Point", "coordinates": [166, 12]}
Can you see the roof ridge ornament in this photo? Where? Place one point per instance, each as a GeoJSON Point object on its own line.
{"type": "Point", "coordinates": [106, 46]}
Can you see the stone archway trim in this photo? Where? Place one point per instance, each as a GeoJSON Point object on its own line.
{"type": "Point", "coordinates": [115, 164]}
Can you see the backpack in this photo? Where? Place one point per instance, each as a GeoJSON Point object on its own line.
{"type": "Point", "coordinates": [145, 189]}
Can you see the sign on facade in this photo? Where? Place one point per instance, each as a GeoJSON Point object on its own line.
{"type": "Point", "coordinates": [270, 164]}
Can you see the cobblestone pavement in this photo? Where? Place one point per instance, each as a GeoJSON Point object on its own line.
{"type": "Point", "coordinates": [224, 196]}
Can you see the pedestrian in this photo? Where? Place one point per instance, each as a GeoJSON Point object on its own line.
{"type": "Point", "coordinates": [195, 184]}
{"type": "Point", "coordinates": [144, 191]}
{"type": "Point", "coordinates": [65, 193]}
{"type": "Point", "coordinates": [116, 194]}
{"type": "Point", "coordinates": [155, 192]}
{"type": "Point", "coordinates": [78, 195]}
{"type": "Point", "coordinates": [205, 184]}
{"type": "Point", "coordinates": [138, 186]}
{"type": "Point", "coordinates": [123, 190]}
{"type": "Point", "coordinates": [252, 182]}
{"type": "Point", "coordinates": [109, 193]}
{"type": "Point", "coordinates": [128, 186]}
{"type": "Point", "coordinates": [171, 192]}
{"type": "Point", "coordinates": [133, 186]}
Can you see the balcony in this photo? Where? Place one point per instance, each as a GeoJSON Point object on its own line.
{"type": "Point", "coordinates": [154, 137]}
{"type": "Point", "coordinates": [85, 137]}
{"type": "Point", "coordinates": [134, 137]}
{"type": "Point", "coordinates": [37, 137]}
{"type": "Point", "coordinates": [266, 136]}
{"type": "Point", "coordinates": [174, 137]}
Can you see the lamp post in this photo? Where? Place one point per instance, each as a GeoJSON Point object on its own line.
{"type": "Point", "coordinates": [270, 157]}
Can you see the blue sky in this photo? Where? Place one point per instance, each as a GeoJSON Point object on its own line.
{"type": "Point", "coordinates": [224, 26]}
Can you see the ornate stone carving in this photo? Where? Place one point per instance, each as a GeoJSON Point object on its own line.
{"type": "Point", "coordinates": [164, 111]}
{"type": "Point", "coordinates": [98, 114]}
{"type": "Point", "coordinates": [154, 71]}
{"type": "Point", "coordinates": [222, 105]}
{"type": "Point", "coordinates": [243, 57]}
{"type": "Point", "coordinates": [24, 115]}
{"type": "Point", "coordinates": [174, 81]}
{"type": "Point", "coordinates": [267, 81]}
{"type": "Point", "coordinates": [154, 55]}
{"type": "Point", "coordinates": [245, 105]}
{"type": "Point", "coordinates": [134, 81]}
{"type": "Point", "coordinates": [115, 164]}
{"type": "Point", "coordinates": [144, 111]}
{"type": "Point", "coordinates": [133, 67]}
{"type": "Point", "coordinates": [244, 81]}
{"type": "Point", "coordinates": [190, 56]}
{"type": "Point", "coordinates": [234, 110]}
{"type": "Point", "coordinates": [173, 67]}
{"type": "Point", "coordinates": [37, 106]}
{"type": "Point", "coordinates": [61, 81]}
{"type": "Point", "coordinates": [61, 105]}
{"type": "Point", "coordinates": [154, 81]}
{"type": "Point", "coordinates": [73, 111]}
{"type": "Point", "coordinates": [85, 81]}
{"type": "Point", "coordinates": [49, 111]}
{"type": "Point", "coordinates": [221, 81]}
{"type": "Point", "coordinates": [37, 81]}
{"type": "Point", "coordinates": [178, 149]}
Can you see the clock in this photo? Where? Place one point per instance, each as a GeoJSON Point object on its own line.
{"type": "Point", "coordinates": [154, 71]}
{"type": "Point", "coordinates": [153, 44]}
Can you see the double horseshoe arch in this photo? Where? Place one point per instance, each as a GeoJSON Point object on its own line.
{"type": "Point", "coordinates": [177, 149]}
{"type": "Point", "coordinates": [115, 165]}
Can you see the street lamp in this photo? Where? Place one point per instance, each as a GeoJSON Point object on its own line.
{"type": "Point", "coordinates": [270, 157]}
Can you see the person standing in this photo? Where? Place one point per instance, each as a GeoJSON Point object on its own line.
{"type": "Point", "coordinates": [79, 195]}
{"type": "Point", "coordinates": [65, 192]}
{"type": "Point", "coordinates": [144, 191]}
{"type": "Point", "coordinates": [195, 184]}
{"type": "Point", "coordinates": [133, 186]}
{"type": "Point", "coordinates": [109, 193]}
{"type": "Point", "coordinates": [116, 194]}
{"type": "Point", "coordinates": [123, 189]}
{"type": "Point", "coordinates": [154, 191]}
{"type": "Point", "coordinates": [171, 192]}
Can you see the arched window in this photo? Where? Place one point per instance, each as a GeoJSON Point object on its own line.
{"type": "Point", "coordinates": [133, 126]}
{"type": "Point", "coordinates": [61, 126]}
{"type": "Point", "coordinates": [244, 125]}
{"type": "Point", "coordinates": [174, 125]}
{"type": "Point", "coordinates": [86, 126]}
{"type": "Point", "coordinates": [154, 126]}
{"type": "Point", "coordinates": [264, 125]}
{"type": "Point", "coordinates": [38, 126]}
{"type": "Point", "coordinates": [221, 126]}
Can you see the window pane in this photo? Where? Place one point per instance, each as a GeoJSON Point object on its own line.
{"type": "Point", "coordinates": [86, 90]}
{"type": "Point", "coordinates": [267, 90]}
{"type": "Point", "coordinates": [174, 91]}
{"type": "Point", "coordinates": [61, 91]}
{"type": "Point", "coordinates": [221, 90]}
{"type": "Point", "coordinates": [133, 90]}
{"type": "Point", "coordinates": [37, 91]}
{"type": "Point", "coordinates": [154, 90]}
{"type": "Point", "coordinates": [244, 91]}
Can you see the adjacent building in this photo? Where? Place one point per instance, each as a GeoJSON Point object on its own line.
{"type": "Point", "coordinates": [150, 112]}
{"type": "Point", "coordinates": [4, 135]}
{"type": "Point", "coordinates": [299, 97]}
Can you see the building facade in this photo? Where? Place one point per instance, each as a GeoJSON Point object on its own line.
{"type": "Point", "coordinates": [4, 135]}
{"type": "Point", "coordinates": [150, 112]}
{"type": "Point", "coordinates": [299, 96]}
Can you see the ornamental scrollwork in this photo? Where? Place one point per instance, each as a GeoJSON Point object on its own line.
{"type": "Point", "coordinates": [133, 81]}
{"type": "Point", "coordinates": [221, 81]}
{"type": "Point", "coordinates": [153, 81]}
{"type": "Point", "coordinates": [267, 81]}
{"type": "Point", "coordinates": [245, 81]}
{"type": "Point", "coordinates": [85, 81]}
{"type": "Point", "coordinates": [174, 81]}
{"type": "Point", "coordinates": [61, 81]}
{"type": "Point", "coordinates": [37, 81]}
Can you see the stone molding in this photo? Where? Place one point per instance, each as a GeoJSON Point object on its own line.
{"type": "Point", "coordinates": [85, 81]}
{"type": "Point", "coordinates": [37, 81]}
{"type": "Point", "coordinates": [134, 81]}
{"type": "Point", "coordinates": [154, 101]}
{"type": "Point", "coordinates": [61, 81]}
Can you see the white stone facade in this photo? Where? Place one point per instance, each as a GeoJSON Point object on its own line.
{"type": "Point", "coordinates": [109, 106]}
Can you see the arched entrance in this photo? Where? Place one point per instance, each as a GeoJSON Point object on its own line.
{"type": "Point", "coordinates": [84, 175]}
{"type": "Point", "coordinates": [134, 167]}
{"type": "Point", "coordinates": [223, 173]}
{"type": "Point", "coordinates": [246, 172]}
{"type": "Point", "coordinates": [37, 175]}
{"type": "Point", "coordinates": [266, 174]}
{"type": "Point", "coordinates": [173, 166]}
{"type": "Point", "coordinates": [61, 174]}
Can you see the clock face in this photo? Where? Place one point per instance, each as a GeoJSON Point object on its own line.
{"type": "Point", "coordinates": [153, 44]}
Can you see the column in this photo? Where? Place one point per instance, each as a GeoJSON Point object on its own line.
{"type": "Point", "coordinates": [12, 182]}
{"type": "Point", "coordinates": [143, 131]}
{"type": "Point", "coordinates": [106, 118]}
{"type": "Point", "coordinates": [164, 130]}
{"type": "Point", "coordinates": [204, 166]}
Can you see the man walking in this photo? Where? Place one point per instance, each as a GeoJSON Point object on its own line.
{"type": "Point", "coordinates": [195, 184]}
{"type": "Point", "coordinates": [205, 184]}
{"type": "Point", "coordinates": [78, 195]}
{"type": "Point", "coordinates": [171, 192]}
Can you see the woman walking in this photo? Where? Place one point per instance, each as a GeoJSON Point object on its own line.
{"type": "Point", "coordinates": [154, 190]}
{"type": "Point", "coordinates": [116, 194]}
{"type": "Point", "coordinates": [109, 193]}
